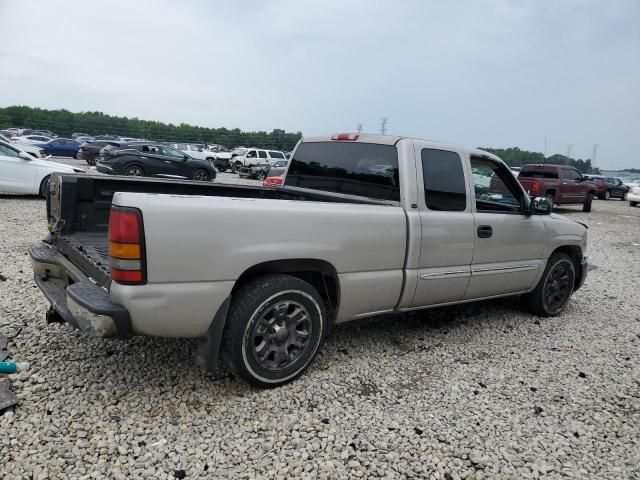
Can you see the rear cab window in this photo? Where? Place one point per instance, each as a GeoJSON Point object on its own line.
{"type": "Point", "coordinates": [444, 180]}
{"type": "Point", "coordinates": [538, 171]}
{"type": "Point", "coordinates": [351, 168]}
{"type": "Point", "coordinates": [276, 154]}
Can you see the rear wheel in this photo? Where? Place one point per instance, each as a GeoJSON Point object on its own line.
{"type": "Point", "coordinates": [275, 326]}
{"type": "Point", "coordinates": [586, 206]}
{"type": "Point", "coordinates": [201, 175]}
{"type": "Point", "coordinates": [261, 175]}
{"type": "Point", "coordinates": [633, 204]}
{"type": "Point", "coordinates": [134, 171]}
{"type": "Point", "coordinates": [554, 290]}
{"type": "Point", "coordinates": [44, 185]}
{"type": "Point", "coordinates": [549, 197]}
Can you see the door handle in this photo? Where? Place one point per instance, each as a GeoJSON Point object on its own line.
{"type": "Point", "coordinates": [485, 231]}
{"type": "Point", "coordinates": [167, 161]}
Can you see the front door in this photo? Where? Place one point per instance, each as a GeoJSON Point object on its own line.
{"type": "Point", "coordinates": [508, 243]}
{"type": "Point", "coordinates": [175, 162]}
{"type": "Point", "coordinates": [447, 226]}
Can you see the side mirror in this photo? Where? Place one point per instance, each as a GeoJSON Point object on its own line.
{"type": "Point", "coordinates": [25, 156]}
{"type": "Point", "coordinates": [186, 157]}
{"type": "Point", "coordinates": [541, 206]}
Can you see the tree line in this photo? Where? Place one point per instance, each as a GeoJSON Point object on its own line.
{"type": "Point", "coordinates": [64, 123]}
{"type": "Point", "coordinates": [514, 157]}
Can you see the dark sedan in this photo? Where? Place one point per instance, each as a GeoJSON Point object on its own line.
{"type": "Point", "coordinates": [152, 160]}
{"type": "Point", "coordinates": [89, 151]}
{"type": "Point", "coordinates": [609, 187]}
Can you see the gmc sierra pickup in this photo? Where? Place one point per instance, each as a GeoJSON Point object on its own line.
{"type": "Point", "coordinates": [559, 184]}
{"type": "Point", "coordinates": [363, 225]}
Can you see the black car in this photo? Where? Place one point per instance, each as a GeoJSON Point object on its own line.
{"type": "Point", "coordinates": [610, 187]}
{"type": "Point", "coordinates": [90, 150]}
{"type": "Point", "coordinates": [142, 159]}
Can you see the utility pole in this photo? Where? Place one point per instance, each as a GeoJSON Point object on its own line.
{"type": "Point", "coordinates": [359, 129]}
{"type": "Point", "coordinates": [594, 153]}
{"type": "Point", "coordinates": [545, 147]}
{"type": "Point", "coordinates": [569, 147]}
{"type": "Point", "coordinates": [383, 125]}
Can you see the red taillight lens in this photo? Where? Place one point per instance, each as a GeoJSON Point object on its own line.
{"type": "Point", "coordinates": [535, 187]}
{"type": "Point", "coordinates": [352, 137]}
{"type": "Point", "coordinates": [272, 181]}
{"type": "Point", "coordinates": [126, 246]}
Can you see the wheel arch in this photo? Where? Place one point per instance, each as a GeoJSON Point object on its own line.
{"type": "Point", "coordinates": [575, 253]}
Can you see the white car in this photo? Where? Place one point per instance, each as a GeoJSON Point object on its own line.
{"type": "Point", "coordinates": [254, 156]}
{"type": "Point", "coordinates": [634, 194]}
{"type": "Point", "coordinates": [22, 174]}
{"type": "Point", "coordinates": [194, 152]}
{"type": "Point", "coordinates": [31, 139]}
{"type": "Point", "coordinates": [32, 150]}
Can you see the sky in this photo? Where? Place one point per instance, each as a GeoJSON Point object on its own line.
{"type": "Point", "coordinates": [494, 73]}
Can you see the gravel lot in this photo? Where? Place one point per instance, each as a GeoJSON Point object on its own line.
{"type": "Point", "coordinates": [478, 391]}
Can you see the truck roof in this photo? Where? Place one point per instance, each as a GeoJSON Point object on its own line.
{"type": "Point", "coordinates": [393, 139]}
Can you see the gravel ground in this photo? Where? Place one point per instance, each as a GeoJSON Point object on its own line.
{"type": "Point", "coordinates": [478, 391]}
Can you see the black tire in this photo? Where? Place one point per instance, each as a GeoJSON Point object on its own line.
{"type": "Point", "coordinates": [44, 184]}
{"type": "Point", "coordinates": [548, 299]}
{"type": "Point", "coordinates": [633, 204]}
{"type": "Point", "coordinates": [201, 175]}
{"type": "Point", "coordinates": [606, 195]}
{"type": "Point", "coordinates": [588, 200]}
{"type": "Point", "coordinates": [549, 197]}
{"type": "Point", "coordinates": [134, 171]}
{"type": "Point", "coordinates": [261, 175]}
{"type": "Point", "coordinates": [255, 322]}
{"type": "Point", "coordinates": [234, 167]}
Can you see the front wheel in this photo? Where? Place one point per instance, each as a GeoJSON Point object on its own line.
{"type": "Point", "coordinates": [134, 171]}
{"type": "Point", "coordinates": [201, 175]}
{"type": "Point", "coordinates": [554, 290]}
{"type": "Point", "coordinates": [44, 185]}
{"type": "Point", "coordinates": [235, 166]}
{"type": "Point", "coordinates": [588, 200]}
{"type": "Point", "coordinates": [607, 195]}
{"type": "Point", "coordinates": [624, 197]}
{"type": "Point", "coordinates": [633, 204]}
{"type": "Point", "coordinates": [275, 326]}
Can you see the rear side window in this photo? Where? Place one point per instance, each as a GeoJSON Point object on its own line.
{"type": "Point", "coordinates": [262, 154]}
{"type": "Point", "coordinates": [444, 187]}
{"type": "Point", "coordinates": [276, 154]}
{"type": "Point", "coordinates": [538, 172]}
{"type": "Point", "coordinates": [364, 169]}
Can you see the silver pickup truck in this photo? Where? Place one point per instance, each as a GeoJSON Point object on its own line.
{"type": "Point", "coordinates": [363, 225]}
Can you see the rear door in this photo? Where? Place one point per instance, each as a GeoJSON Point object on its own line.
{"type": "Point", "coordinates": [447, 226]}
{"type": "Point", "coordinates": [508, 243]}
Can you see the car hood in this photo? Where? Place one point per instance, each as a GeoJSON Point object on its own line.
{"type": "Point", "coordinates": [56, 167]}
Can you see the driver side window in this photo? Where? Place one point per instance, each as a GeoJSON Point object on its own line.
{"type": "Point", "coordinates": [171, 152]}
{"type": "Point", "coordinates": [8, 152]}
{"type": "Point", "coordinates": [494, 187]}
{"type": "Point", "coordinates": [251, 154]}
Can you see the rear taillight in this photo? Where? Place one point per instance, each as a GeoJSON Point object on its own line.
{"type": "Point", "coordinates": [126, 246]}
{"type": "Point", "coordinates": [352, 137]}
{"type": "Point", "coordinates": [272, 181]}
{"type": "Point", "coordinates": [535, 187]}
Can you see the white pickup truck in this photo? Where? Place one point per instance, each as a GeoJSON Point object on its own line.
{"type": "Point", "coordinates": [363, 225]}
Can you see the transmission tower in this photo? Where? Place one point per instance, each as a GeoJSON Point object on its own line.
{"type": "Point", "coordinates": [594, 153]}
{"type": "Point", "coordinates": [569, 147]}
{"type": "Point", "coordinates": [383, 125]}
{"type": "Point", "coordinates": [359, 129]}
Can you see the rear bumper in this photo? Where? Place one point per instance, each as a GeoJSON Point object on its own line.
{"type": "Point", "coordinates": [222, 163]}
{"type": "Point", "coordinates": [78, 300]}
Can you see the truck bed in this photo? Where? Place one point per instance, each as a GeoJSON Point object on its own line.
{"type": "Point", "coordinates": [78, 209]}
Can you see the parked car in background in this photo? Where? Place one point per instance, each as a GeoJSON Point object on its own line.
{"type": "Point", "coordinates": [76, 135]}
{"type": "Point", "coordinates": [634, 195]}
{"type": "Point", "coordinates": [89, 151]}
{"type": "Point", "coordinates": [609, 187]}
{"type": "Point", "coordinates": [262, 170]}
{"type": "Point", "coordinates": [31, 139]}
{"type": "Point", "coordinates": [599, 184]}
{"type": "Point", "coordinates": [32, 150]}
{"type": "Point", "coordinates": [21, 173]}
{"type": "Point", "coordinates": [224, 160]}
{"type": "Point", "coordinates": [195, 151]}
{"type": "Point", "coordinates": [297, 259]}
{"type": "Point", "coordinates": [275, 175]}
{"type": "Point", "coordinates": [149, 159]}
{"type": "Point", "coordinates": [253, 156]}
{"type": "Point", "coordinates": [560, 184]}
{"type": "Point", "coordinates": [60, 147]}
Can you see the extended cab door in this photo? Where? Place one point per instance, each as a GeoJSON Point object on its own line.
{"type": "Point", "coordinates": [508, 243]}
{"type": "Point", "coordinates": [446, 224]}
